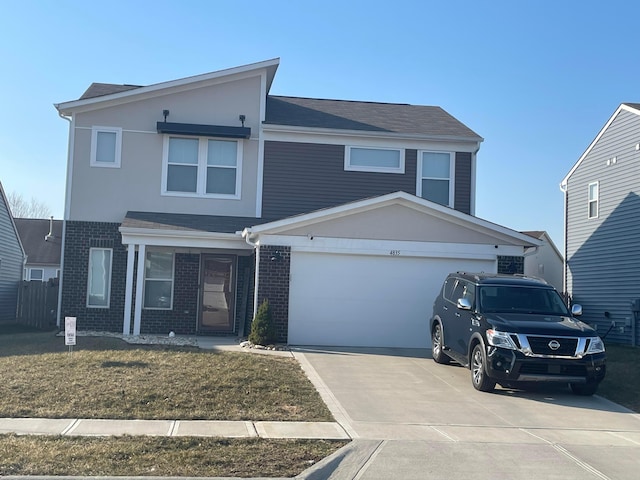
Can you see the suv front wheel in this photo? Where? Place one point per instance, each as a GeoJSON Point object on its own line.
{"type": "Point", "coordinates": [586, 389]}
{"type": "Point", "coordinates": [479, 378]}
{"type": "Point", "coordinates": [436, 343]}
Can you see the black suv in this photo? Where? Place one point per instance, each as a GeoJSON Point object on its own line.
{"type": "Point", "coordinates": [509, 329]}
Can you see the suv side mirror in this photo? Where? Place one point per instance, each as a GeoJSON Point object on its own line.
{"type": "Point", "coordinates": [464, 304]}
{"type": "Point", "coordinates": [576, 310]}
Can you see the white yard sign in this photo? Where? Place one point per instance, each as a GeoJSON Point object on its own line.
{"type": "Point", "coordinates": [69, 330]}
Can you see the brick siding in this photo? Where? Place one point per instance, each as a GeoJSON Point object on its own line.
{"type": "Point", "coordinates": [274, 285]}
{"type": "Point", "coordinates": [510, 264]}
{"type": "Point", "coordinates": [80, 238]}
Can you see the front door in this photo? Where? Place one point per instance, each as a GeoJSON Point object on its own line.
{"type": "Point", "coordinates": [218, 293]}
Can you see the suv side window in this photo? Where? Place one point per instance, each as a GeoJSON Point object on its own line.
{"type": "Point", "coordinates": [447, 290]}
{"type": "Point", "coordinates": [456, 288]}
{"type": "Point", "coordinates": [463, 290]}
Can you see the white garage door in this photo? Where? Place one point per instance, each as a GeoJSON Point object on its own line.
{"type": "Point", "coordinates": [362, 300]}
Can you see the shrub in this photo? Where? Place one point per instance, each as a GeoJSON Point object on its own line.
{"type": "Point", "coordinates": [263, 331]}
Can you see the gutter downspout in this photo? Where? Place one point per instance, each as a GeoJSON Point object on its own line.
{"type": "Point", "coordinates": [247, 234]}
{"type": "Point", "coordinates": [563, 189]}
{"type": "Point", "coordinates": [67, 208]}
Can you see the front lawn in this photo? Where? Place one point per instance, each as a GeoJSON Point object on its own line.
{"type": "Point", "coordinates": [159, 456]}
{"type": "Point", "coordinates": [108, 378]}
{"type": "Point", "coordinates": [622, 382]}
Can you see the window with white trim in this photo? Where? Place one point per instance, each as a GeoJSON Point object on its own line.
{"type": "Point", "coordinates": [36, 274]}
{"type": "Point", "coordinates": [202, 167]}
{"type": "Point", "coordinates": [369, 159]}
{"type": "Point", "coordinates": [106, 147]}
{"type": "Point", "coordinates": [593, 199]}
{"type": "Point", "coordinates": [435, 177]}
{"type": "Point", "coordinates": [99, 281]}
{"type": "Point", "coordinates": [158, 280]}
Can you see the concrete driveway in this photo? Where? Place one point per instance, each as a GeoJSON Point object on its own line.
{"type": "Point", "coordinates": [416, 419]}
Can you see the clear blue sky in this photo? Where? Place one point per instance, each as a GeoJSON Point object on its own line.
{"type": "Point", "coordinates": [536, 79]}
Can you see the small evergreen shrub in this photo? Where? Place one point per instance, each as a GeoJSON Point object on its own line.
{"type": "Point", "coordinates": [263, 331]}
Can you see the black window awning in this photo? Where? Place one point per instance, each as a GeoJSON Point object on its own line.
{"type": "Point", "coordinates": [203, 130]}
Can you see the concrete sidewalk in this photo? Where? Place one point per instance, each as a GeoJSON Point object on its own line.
{"type": "Point", "coordinates": [173, 428]}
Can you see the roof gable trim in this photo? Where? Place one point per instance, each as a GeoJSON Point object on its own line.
{"type": "Point", "coordinates": [625, 107]}
{"type": "Point", "coordinates": [397, 198]}
{"type": "Point", "coordinates": [188, 82]}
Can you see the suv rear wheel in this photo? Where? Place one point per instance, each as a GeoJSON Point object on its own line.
{"type": "Point", "coordinates": [436, 342]}
{"type": "Point", "coordinates": [479, 378]}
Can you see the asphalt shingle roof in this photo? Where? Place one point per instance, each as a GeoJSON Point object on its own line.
{"type": "Point", "coordinates": [102, 89]}
{"type": "Point", "coordinates": [342, 114]}
{"type": "Point", "coordinates": [32, 232]}
{"type": "Point", "coordinates": [188, 222]}
{"type": "Point", "coordinates": [367, 116]}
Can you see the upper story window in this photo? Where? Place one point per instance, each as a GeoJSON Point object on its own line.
{"type": "Point", "coordinates": [106, 147]}
{"type": "Point", "coordinates": [99, 282]}
{"type": "Point", "coordinates": [435, 177]}
{"type": "Point", "coordinates": [201, 167]}
{"type": "Point", "coordinates": [593, 199]}
{"type": "Point", "coordinates": [385, 160]}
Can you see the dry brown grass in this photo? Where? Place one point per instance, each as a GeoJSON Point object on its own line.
{"type": "Point", "coordinates": [107, 378]}
{"type": "Point", "coordinates": [622, 382]}
{"type": "Point", "coordinates": [134, 456]}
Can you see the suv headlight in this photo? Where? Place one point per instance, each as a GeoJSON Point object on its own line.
{"type": "Point", "coordinates": [500, 339]}
{"type": "Point", "coordinates": [596, 345]}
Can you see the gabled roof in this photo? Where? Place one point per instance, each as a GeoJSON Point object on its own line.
{"type": "Point", "coordinates": [629, 107]}
{"type": "Point", "coordinates": [397, 198]}
{"type": "Point", "coordinates": [99, 93]}
{"type": "Point", "coordinates": [32, 233]}
{"type": "Point", "coordinates": [544, 236]}
{"type": "Point", "coordinates": [365, 116]}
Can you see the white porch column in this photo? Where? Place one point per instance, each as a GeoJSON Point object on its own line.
{"type": "Point", "coordinates": [128, 292]}
{"type": "Point", "coordinates": [137, 315]}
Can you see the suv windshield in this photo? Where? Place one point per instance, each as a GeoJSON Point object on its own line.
{"type": "Point", "coordinates": [516, 299]}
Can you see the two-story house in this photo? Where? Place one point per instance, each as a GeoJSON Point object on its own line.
{"type": "Point", "coordinates": [602, 227]}
{"type": "Point", "coordinates": [189, 202]}
{"type": "Point", "coordinates": [12, 260]}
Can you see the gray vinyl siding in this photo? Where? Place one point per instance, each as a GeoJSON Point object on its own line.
{"type": "Point", "coordinates": [462, 198]}
{"type": "Point", "coordinates": [10, 265]}
{"type": "Point", "coordinates": [303, 177]}
{"type": "Point", "coordinates": [603, 260]}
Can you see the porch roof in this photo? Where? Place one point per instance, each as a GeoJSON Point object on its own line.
{"type": "Point", "coordinates": [187, 222]}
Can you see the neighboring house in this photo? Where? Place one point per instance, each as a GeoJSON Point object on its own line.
{"type": "Point", "coordinates": [190, 202]}
{"type": "Point", "coordinates": [602, 227]}
{"type": "Point", "coordinates": [42, 242]}
{"type": "Point", "coordinates": [546, 261]}
{"type": "Point", "coordinates": [11, 262]}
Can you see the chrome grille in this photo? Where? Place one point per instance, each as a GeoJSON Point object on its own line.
{"type": "Point", "coordinates": [540, 345]}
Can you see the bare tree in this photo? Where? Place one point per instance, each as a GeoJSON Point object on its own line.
{"type": "Point", "coordinates": [21, 208]}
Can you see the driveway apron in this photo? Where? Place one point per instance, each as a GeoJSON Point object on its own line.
{"type": "Point", "coordinates": [427, 420]}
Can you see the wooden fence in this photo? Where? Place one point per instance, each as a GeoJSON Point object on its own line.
{"type": "Point", "coordinates": [38, 303]}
